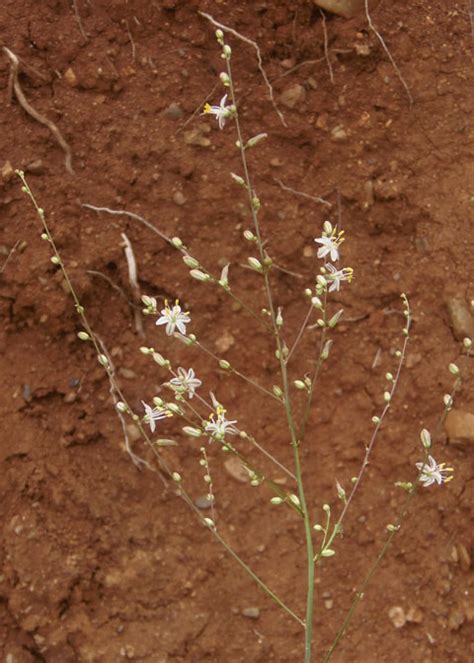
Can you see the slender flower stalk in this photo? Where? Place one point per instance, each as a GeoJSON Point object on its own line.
{"type": "Point", "coordinates": [295, 442]}
{"type": "Point", "coordinates": [89, 335]}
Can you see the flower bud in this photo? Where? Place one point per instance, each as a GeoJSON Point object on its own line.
{"type": "Point", "coordinates": [176, 477]}
{"type": "Point", "coordinates": [453, 369]}
{"type": "Point", "coordinates": [387, 397]}
{"type": "Point", "coordinates": [299, 384]}
{"type": "Point", "coordinates": [425, 438]}
{"type": "Point", "coordinates": [467, 342]}
{"type": "Point", "coordinates": [255, 264]}
{"type": "Point", "coordinates": [146, 351]}
{"type": "Point", "coordinates": [295, 500]}
{"type": "Point", "coordinates": [102, 359]}
{"type": "Point", "coordinates": [160, 360]}
{"type": "Point", "coordinates": [321, 280]}
{"type": "Point", "coordinates": [448, 401]}
{"type": "Point", "coordinates": [335, 318]}
{"type": "Point", "coordinates": [279, 318]}
{"type": "Point", "coordinates": [44, 236]}
{"type": "Point", "coordinates": [84, 336]}
{"type": "Point", "coordinates": [239, 180]}
{"type": "Point", "coordinates": [55, 260]}
{"type": "Point", "coordinates": [225, 80]}
{"type": "Point", "coordinates": [190, 262]}
{"type": "Point", "coordinates": [327, 227]}
{"type": "Point", "coordinates": [121, 407]}
{"type": "Point", "coordinates": [317, 303]}
{"type": "Point", "coordinates": [191, 431]}
{"type": "Point", "coordinates": [224, 364]}
{"type": "Point", "coordinates": [326, 349]}
{"type": "Point", "coordinates": [199, 276]}
{"type": "Point", "coordinates": [256, 139]}
{"type": "Point", "coordinates": [327, 552]}
{"type": "Point", "coordinates": [277, 500]}
{"type": "Point", "coordinates": [249, 236]}
{"type": "Point", "coordinates": [277, 391]}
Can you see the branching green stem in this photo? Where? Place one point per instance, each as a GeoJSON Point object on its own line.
{"type": "Point", "coordinates": [282, 357]}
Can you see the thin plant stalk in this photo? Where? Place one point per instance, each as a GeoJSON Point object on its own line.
{"type": "Point", "coordinates": [161, 462]}
{"type": "Point", "coordinates": [295, 442]}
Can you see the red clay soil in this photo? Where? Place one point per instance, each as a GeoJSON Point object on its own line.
{"type": "Point", "coordinates": [100, 562]}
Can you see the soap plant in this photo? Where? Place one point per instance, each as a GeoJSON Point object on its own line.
{"type": "Point", "coordinates": [208, 418]}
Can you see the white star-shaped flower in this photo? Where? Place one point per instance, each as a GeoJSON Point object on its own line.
{"type": "Point", "coordinates": [186, 381]}
{"type": "Point", "coordinates": [174, 318]}
{"type": "Point", "coordinates": [153, 414]}
{"type": "Point", "coordinates": [222, 112]}
{"type": "Point", "coordinates": [431, 472]}
{"type": "Point", "coordinates": [336, 276]}
{"type": "Point", "coordinates": [330, 244]}
{"type": "Point", "coordinates": [220, 426]}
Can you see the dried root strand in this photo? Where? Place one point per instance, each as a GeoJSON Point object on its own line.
{"type": "Point", "coordinates": [15, 84]}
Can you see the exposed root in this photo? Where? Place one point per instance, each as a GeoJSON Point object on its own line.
{"type": "Point", "coordinates": [389, 55]}
{"type": "Point", "coordinates": [14, 63]}
{"type": "Point", "coordinates": [78, 19]}
{"type": "Point", "coordinates": [315, 199]}
{"type": "Point", "coordinates": [326, 47]}
{"type": "Point", "coordinates": [132, 277]}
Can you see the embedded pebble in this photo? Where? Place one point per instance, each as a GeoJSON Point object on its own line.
{"type": "Point", "coordinates": [459, 425]}
{"type": "Point", "coordinates": [237, 471]}
{"type": "Point", "coordinates": [339, 134]}
{"type": "Point", "coordinates": [322, 121]}
{"type": "Point", "coordinates": [133, 432]}
{"type": "Point", "coordinates": [203, 502]}
{"type": "Point", "coordinates": [422, 245]}
{"type": "Point", "coordinates": [387, 188]}
{"type": "Point", "coordinates": [70, 77]}
{"type": "Point", "coordinates": [224, 342]}
{"type": "Point", "coordinates": [308, 252]}
{"type": "Point", "coordinates": [456, 619]}
{"type": "Point", "coordinates": [462, 321]}
{"type": "Point", "coordinates": [463, 557]}
{"type": "Point", "coordinates": [413, 358]}
{"type": "Point", "coordinates": [293, 95]}
{"type": "Point", "coordinates": [127, 373]}
{"type": "Point", "coordinates": [289, 63]}
{"type": "Point", "coordinates": [196, 136]}
{"type": "Point", "coordinates": [178, 198]}
{"type": "Point", "coordinates": [397, 616]}
{"type": "Point", "coordinates": [328, 604]}
{"type": "Point", "coordinates": [27, 393]}
{"type": "Point", "coordinates": [35, 167]}
{"type": "Point", "coordinates": [345, 8]}
{"type": "Point", "coordinates": [251, 613]}
{"type": "Point", "coordinates": [367, 197]}
{"type": "Point", "coordinates": [173, 112]}
{"type": "Point", "coordinates": [7, 171]}
{"type": "Point", "coordinates": [414, 615]}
